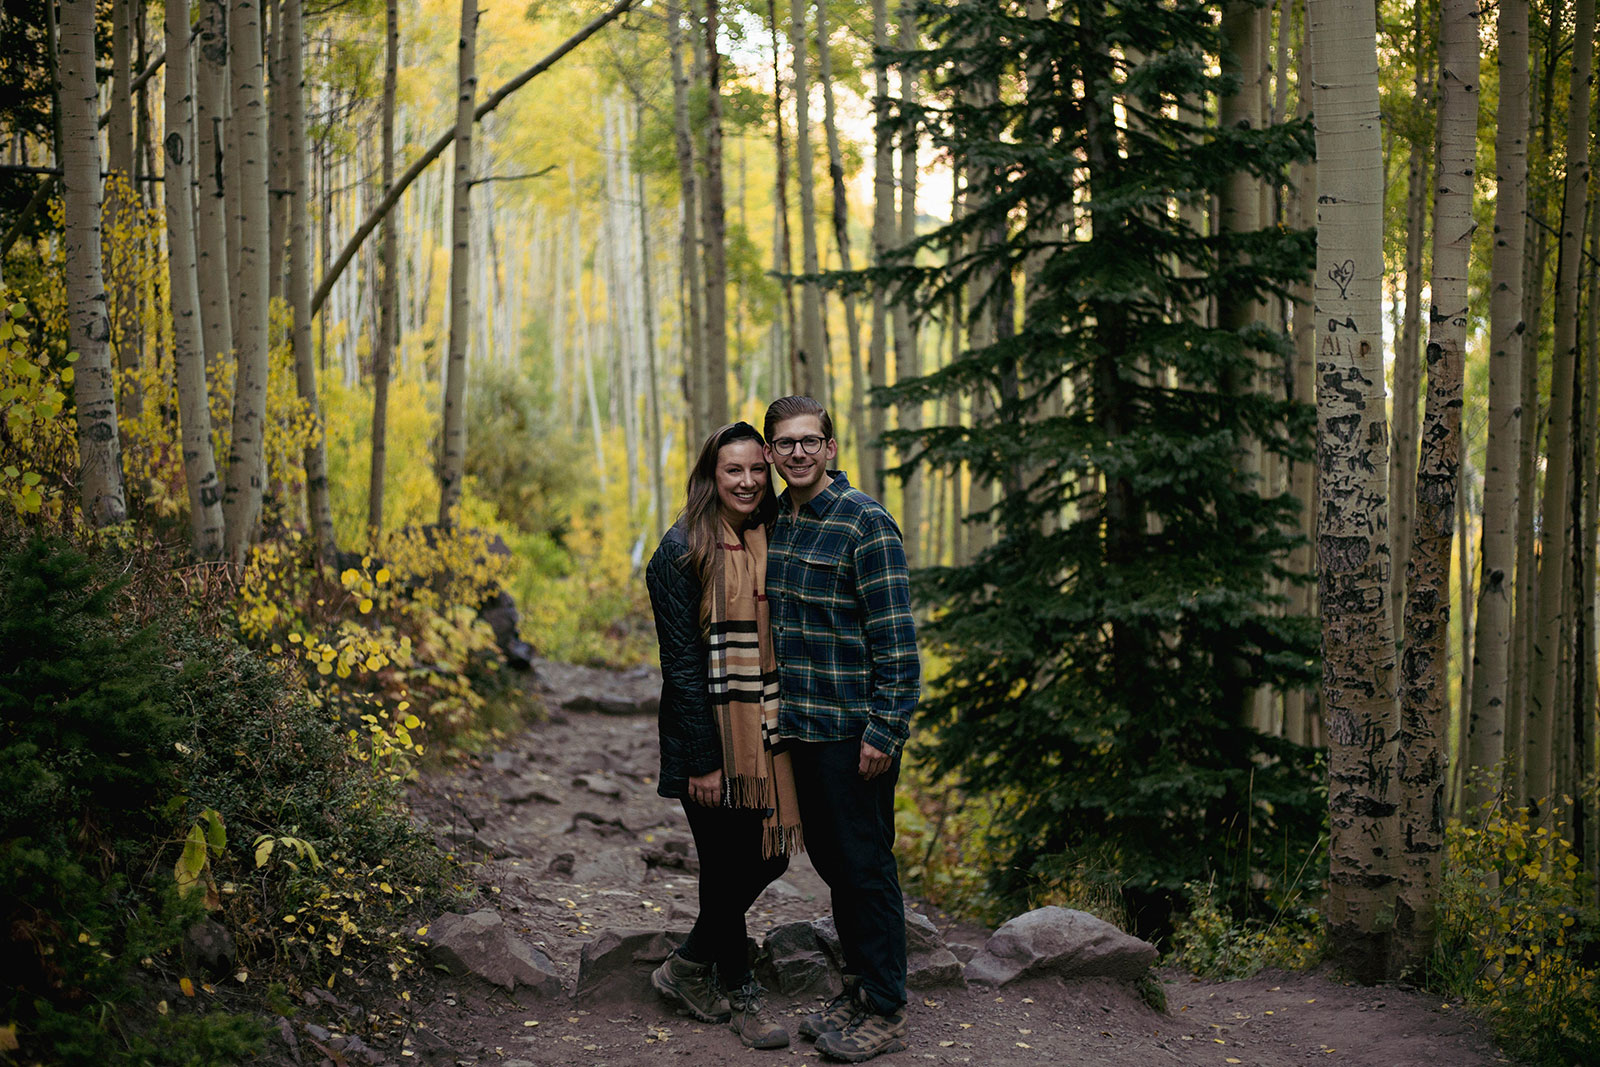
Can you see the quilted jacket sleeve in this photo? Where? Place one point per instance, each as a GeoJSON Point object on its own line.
{"type": "Point", "coordinates": [689, 742]}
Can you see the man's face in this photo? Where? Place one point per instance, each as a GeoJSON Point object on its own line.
{"type": "Point", "coordinates": [801, 469]}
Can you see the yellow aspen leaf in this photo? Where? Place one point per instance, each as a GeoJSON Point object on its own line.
{"type": "Point", "coordinates": [187, 985]}
{"type": "Point", "coordinates": [8, 1038]}
{"type": "Point", "coordinates": [366, 605]}
{"type": "Point", "coordinates": [161, 1007]}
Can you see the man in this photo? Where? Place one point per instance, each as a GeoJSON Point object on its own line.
{"type": "Point", "coordinates": [848, 681]}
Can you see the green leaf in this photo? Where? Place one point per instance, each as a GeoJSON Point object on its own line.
{"type": "Point", "coordinates": [193, 860]}
{"type": "Point", "coordinates": [216, 833]}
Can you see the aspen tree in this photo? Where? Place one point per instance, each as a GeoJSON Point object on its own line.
{"type": "Point", "coordinates": [811, 357]}
{"type": "Point", "coordinates": [94, 387]}
{"type": "Point", "coordinates": [388, 327]}
{"type": "Point", "coordinates": [1486, 732]}
{"type": "Point", "coordinates": [188, 346]}
{"type": "Point", "coordinates": [453, 453]}
{"type": "Point", "coordinates": [1425, 694]}
{"type": "Point", "coordinates": [1358, 688]}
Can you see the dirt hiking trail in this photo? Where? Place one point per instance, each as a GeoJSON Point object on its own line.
{"type": "Point", "coordinates": [571, 840]}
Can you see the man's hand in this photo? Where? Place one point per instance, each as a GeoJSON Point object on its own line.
{"type": "Point", "coordinates": [873, 762]}
{"type": "Point", "coordinates": [706, 789]}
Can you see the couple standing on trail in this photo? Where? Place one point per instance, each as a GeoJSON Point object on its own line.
{"type": "Point", "coordinates": [782, 719]}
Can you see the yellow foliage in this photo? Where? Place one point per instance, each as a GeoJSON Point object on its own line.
{"type": "Point", "coordinates": [36, 440]}
{"type": "Point", "coordinates": [1512, 901]}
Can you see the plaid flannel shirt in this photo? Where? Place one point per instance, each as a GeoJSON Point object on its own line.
{"type": "Point", "coordinates": [841, 620]}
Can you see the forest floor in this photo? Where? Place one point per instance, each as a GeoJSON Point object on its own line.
{"type": "Point", "coordinates": [574, 840]}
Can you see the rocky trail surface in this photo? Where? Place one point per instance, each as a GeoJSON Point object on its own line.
{"type": "Point", "coordinates": [588, 878]}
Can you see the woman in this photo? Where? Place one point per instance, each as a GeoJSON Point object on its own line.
{"type": "Point", "coordinates": [719, 690]}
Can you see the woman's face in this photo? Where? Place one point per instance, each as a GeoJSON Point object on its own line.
{"type": "Point", "coordinates": [741, 479]}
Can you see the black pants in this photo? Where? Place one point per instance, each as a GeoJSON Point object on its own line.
{"type": "Point", "coordinates": [849, 828]}
{"type": "Point", "coordinates": [732, 874]}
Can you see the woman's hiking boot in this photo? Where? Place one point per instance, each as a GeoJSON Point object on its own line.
{"type": "Point", "coordinates": [751, 1019]}
{"type": "Point", "coordinates": [868, 1034]}
{"type": "Point", "coordinates": [836, 1014]}
{"type": "Point", "coordinates": [693, 986]}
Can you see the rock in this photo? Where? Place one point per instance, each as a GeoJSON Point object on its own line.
{"type": "Point", "coordinates": [793, 962]}
{"type": "Point", "coordinates": [604, 825]}
{"type": "Point", "coordinates": [503, 761]}
{"type": "Point", "coordinates": [929, 964]}
{"type": "Point", "coordinates": [560, 866]}
{"type": "Point", "coordinates": [479, 944]}
{"type": "Point", "coordinates": [805, 958]}
{"type": "Point", "coordinates": [613, 867]}
{"type": "Point", "coordinates": [594, 783]}
{"type": "Point", "coordinates": [1059, 941]}
{"type": "Point", "coordinates": [285, 1034]}
{"type": "Point", "coordinates": [318, 1033]}
{"type": "Point", "coordinates": [576, 688]}
{"type": "Point", "coordinates": [208, 947]}
{"type": "Point", "coordinates": [962, 951]}
{"type": "Point", "coordinates": [523, 790]}
{"type": "Point", "coordinates": [615, 967]}
{"type": "Point", "coordinates": [780, 890]}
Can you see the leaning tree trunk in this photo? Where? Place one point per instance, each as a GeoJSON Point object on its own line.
{"type": "Point", "coordinates": [247, 468]}
{"type": "Point", "coordinates": [94, 388]}
{"type": "Point", "coordinates": [388, 293]}
{"type": "Point", "coordinates": [291, 26]}
{"type": "Point", "coordinates": [453, 457]}
{"type": "Point", "coordinates": [1352, 443]}
{"type": "Point", "coordinates": [810, 365]}
{"type": "Point", "coordinates": [188, 346]}
{"type": "Point", "coordinates": [1486, 735]}
{"type": "Point", "coordinates": [1425, 682]}
{"type": "Point", "coordinates": [1545, 695]}
{"type": "Point", "coordinates": [714, 229]}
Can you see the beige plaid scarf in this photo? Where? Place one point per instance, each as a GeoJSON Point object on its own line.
{"type": "Point", "coordinates": [744, 691]}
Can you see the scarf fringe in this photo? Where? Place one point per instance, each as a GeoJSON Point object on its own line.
{"type": "Point", "coordinates": [781, 841]}
{"type": "Point", "coordinates": [746, 790]}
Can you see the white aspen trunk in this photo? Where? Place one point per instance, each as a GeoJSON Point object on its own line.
{"type": "Point", "coordinates": [211, 223]}
{"type": "Point", "coordinates": [291, 28]}
{"type": "Point", "coordinates": [688, 236]}
{"type": "Point", "coordinates": [647, 309]}
{"type": "Point", "coordinates": [1299, 712]}
{"type": "Point", "coordinates": [907, 356]}
{"type": "Point", "coordinates": [586, 343]}
{"type": "Point", "coordinates": [247, 472]}
{"type": "Point", "coordinates": [278, 136]}
{"type": "Point", "coordinates": [1546, 698]}
{"type": "Point", "coordinates": [188, 346]}
{"type": "Point", "coordinates": [1424, 666]}
{"type": "Point", "coordinates": [384, 348]}
{"type": "Point", "coordinates": [1407, 353]}
{"type": "Point", "coordinates": [714, 226]}
{"type": "Point", "coordinates": [883, 227]}
{"type": "Point", "coordinates": [1486, 733]}
{"type": "Point", "coordinates": [841, 236]}
{"type": "Point", "coordinates": [1358, 686]}
{"type": "Point", "coordinates": [811, 357]}
{"type": "Point", "coordinates": [121, 208]}
{"type": "Point", "coordinates": [94, 386]}
{"type": "Point", "coordinates": [453, 456]}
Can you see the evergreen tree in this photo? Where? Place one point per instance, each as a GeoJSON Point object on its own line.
{"type": "Point", "coordinates": [1098, 657]}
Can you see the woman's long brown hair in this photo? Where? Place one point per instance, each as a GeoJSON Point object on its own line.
{"type": "Point", "coordinates": [699, 516]}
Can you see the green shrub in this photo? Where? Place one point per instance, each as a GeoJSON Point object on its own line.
{"type": "Point", "coordinates": [1514, 926]}
{"type": "Point", "coordinates": [127, 718]}
{"type": "Point", "coordinates": [1213, 943]}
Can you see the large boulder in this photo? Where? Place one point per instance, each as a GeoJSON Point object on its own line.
{"type": "Point", "coordinates": [615, 967]}
{"type": "Point", "coordinates": [480, 944]}
{"type": "Point", "coordinates": [1061, 942]}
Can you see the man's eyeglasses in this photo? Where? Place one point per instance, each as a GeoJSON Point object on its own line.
{"type": "Point", "coordinates": [810, 445]}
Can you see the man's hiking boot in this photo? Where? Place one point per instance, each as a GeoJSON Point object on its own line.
{"type": "Point", "coordinates": [868, 1034]}
{"type": "Point", "coordinates": [835, 1015]}
{"type": "Point", "coordinates": [752, 1021]}
{"type": "Point", "coordinates": [693, 986]}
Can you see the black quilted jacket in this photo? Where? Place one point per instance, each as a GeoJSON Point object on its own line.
{"type": "Point", "coordinates": [689, 743]}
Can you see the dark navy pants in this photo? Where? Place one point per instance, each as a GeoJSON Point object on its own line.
{"type": "Point", "coordinates": [732, 875]}
{"type": "Point", "coordinates": [849, 830]}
